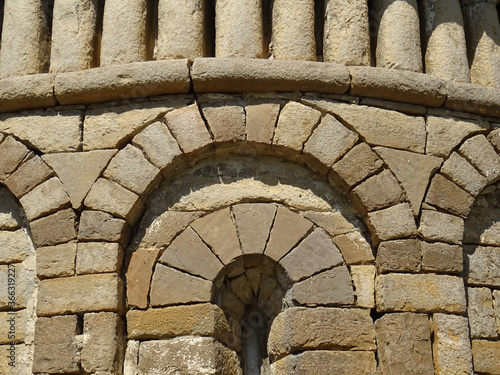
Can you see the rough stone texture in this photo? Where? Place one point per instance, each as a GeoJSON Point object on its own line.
{"type": "Point", "coordinates": [78, 171]}
{"type": "Point", "coordinates": [25, 274]}
{"type": "Point", "coordinates": [188, 355]}
{"type": "Point", "coordinates": [494, 138]}
{"type": "Point", "coordinates": [438, 226]}
{"type": "Point", "coordinates": [412, 170]}
{"type": "Point", "coordinates": [10, 212]}
{"type": "Point", "coordinates": [481, 314]}
{"type": "Point", "coordinates": [253, 223]}
{"type": "Point", "coordinates": [300, 328]}
{"type": "Point", "coordinates": [482, 155]}
{"type": "Point", "coordinates": [410, 109]}
{"type": "Point", "coordinates": [190, 254]}
{"type": "Point", "coordinates": [329, 288]}
{"type": "Point", "coordinates": [392, 223]}
{"type": "Point", "coordinates": [293, 30]}
{"type": "Point", "coordinates": [13, 154]}
{"type": "Point", "coordinates": [322, 362]}
{"type": "Point", "coordinates": [442, 258]}
{"type": "Point", "coordinates": [239, 29]}
{"type": "Point", "coordinates": [226, 120]}
{"type": "Point", "coordinates": [29, 174]}
{"type": "Point", "coordinates": [445, 194]}
{"type": "Point", "coordinates": [14, 246]}
{"type": "Point", "coordinates": [45, 199]}
{"type": "Point", "coordinates": [333, 222]}
{"type": "Point", "coordinates": [138, 276]}
{"type": "Point", "coordinates": [56, 261]}
{"type": "Point", "coordinates": [399, 256]}
{"type": "Point", "coordinates": [115, 199]}
{"type": "Point", "coordinates": [354, 248]}
{"type": "Point", "coordinates": [181, 28]}
{"type": "Point", "coordinates": [219, 232]}
{"type": "Point", "coordinates": [484, 266]}
{"type": "Point", "coordinates": [288, 229]}
{"type": "Point", "coordinates": [54, 229]}
{"type": "Point", "coordinates": [355, 166]}
{"type": "Point", "coordinates": [104, 344]}
{"type": "Point", "coordinates": [19, 322]}
{"type": "Point", "coordinates": [404, 344]}
{"type": "Point", "coordinates": [261, 121]}
{"type": "Point", "coordinates": [420, 293]}
{"type": "Point", "coordinates": [56, 345]}
{"type": "Point", "coordinates": [110, 257]}
{"type": "Point", "coordinates": [315, 253]}
{"type": "Point", "coordinates": [79, 294]}
{"type": "Point", "coordinates": [458, 169]}
{"type": "Point", "coordinates": [363, 278]}
{"type": "Point", "coordinates": [482, 227]}
{"type": "Point", "coordinates": [101, 226]}
{"type": "Point", "coordinates": [172, 287]}
{"type": "Point", "coordinates": [451, 347]}
{"type": "Point", "coordinates": [295, 124]}
{"type": "Point", "coordinates": [486, 356]}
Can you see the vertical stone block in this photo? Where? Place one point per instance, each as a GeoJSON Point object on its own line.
{"type": "Point", "coordinates": [481, 314]}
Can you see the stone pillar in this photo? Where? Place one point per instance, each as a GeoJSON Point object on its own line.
{"type": "Point", "coordinates": [181, 29]}
{"type": "Point", "coordinates": [293, 30]}
{"type": "Point", "coordinates": [347, 38]}
{"type": "Point", "coordinates": [483, 41]}
{"type": "Point", "coordinates": [238, 29]}
{"type": "Point", "coordinates": [73, 35]}
{"type": "Point", "coordinates": [124, 32]}
{"type": "Point", "coordinates": [445, 49]}
{"type": "Point", "coordinates": [25, 38]}
{"type": "Point", "coordinates": [398, 39]}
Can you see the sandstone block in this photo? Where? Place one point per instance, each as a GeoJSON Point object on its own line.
{"type": "Point", "coordinates": [482, 155]}
{"type": "Point", "coordinates": [261, 121]}
{"type": "Point", "coordinates": [172, 287]}
{"type": "Point", "coordinates": [14, 246]}
{"type": "Point", "coordinates": [354, 248]}
{"type": "Point", "coordinates": [55, 345]}
{"type": "Point", "coordinates": [484, 266]}
{"type": "Point", "coordinates": [451, 347]}
{"type": "Point", "coordinates": [363, 279]}
{"type": "Point", "coordinates": [10, 212]}
{"type": "Point", "coordinates": [420, 293]}
{"type": "Point", "coordinates": [410, 109]}
{"type": "Point", "coordinates": [54, 229]}
{"type": "Point", "coordinates": [393, 222]}
{"type": "Point", "coordinates": [101, 226]}
{"type": "Point", "coordinates": [482, 321]}
{"type": "Point", "coordinates": [24, 284]}
{"type": "Point", "coordinates": [482, 226]}
{"type": "Point", "coordinates": [13, 153]}
{"type": "Point", "coordinates": [404, 342]}
{"type": "Point", "coordinates": [26, 92]}
{"type": "Point", "coordinates": [494, 138]}
{"type": "Point", "coordinates": [438, 226]}
{"type": "Point", "coordinates": [79, 294]}
{"type": "Point", "coordinates": [110, 257]}
{"type": "Point", "coordinates": [300, 328]}
{"type": "Point", "coordinates": [113, 198]}
{"type": "Point", "coordinates": [226, 120]}
{"type": "Point", "coordinates": [17, 322]}
{"type": "Point", "coordinates": [445, 194]}
{"type": "Point", "coordinates": [333, 222]}
{"type": "Point", "coordinates": [496, 305]}
{"type": "Point", "coordinates": [138, 276]}
{"type": "Point", "coordinates": [442, 258]}
{"type": "Point", "coordinates": [29, 174]}
{"type": "Point", "coordinates": [45, 199]}
{"type": "Point", "coordinates": [399, 256]}
{"type": "Point", "coordinates": [24, 359]}
{"type": "Point", "coordinates": [55, 261]}
{"type": "Point", "coordinates": [457, 169]}
{"type": "Point", "coordinates": [253, 223]}
{"type": "Point", "coordinates": [486, 356]}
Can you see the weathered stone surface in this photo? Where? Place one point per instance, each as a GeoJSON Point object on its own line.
{"type": "Point", "coordinates": [363, 279]}
{"type": "Point", "coordinates": [445, 133]}
{"type": "Point", "coordinates": [451, 347]}
{"type": "Point", "coordinates": [104, 344]}
{"type": "Point", "coordinates": [113, 127]}
{"type": "Point", "coordinates": [172, 287]}
{"type": "Point", "coordinates": [27, 92]}
{"type": "Point", "coordinates": [322, 362]}
{"type": "Point", "coordinates": [14, 246]}
{"type": "Point", "coordinates": [355, 166]}
{"type": "Point", "coordinates": [496, 306]}
{"type": "Point", "coordinates": [482, 155]}
{"type": "Point", "coordinates": [482, 226]}
{"type": "Point", "coordinates": [226, 120]}
{"type": "Point", "coordinates": [54, 229]}
{"type": "Point", "coordinates": [412, 170]}
{"type": "Point", "coordinates": [190, 254]}
{"type": "Point", "coordinates": [110, 197]}
{"type": "Point", "coordinates": [45, 199]}
{"type": "Point", "coordinates": [438, 226]}
{"type": "Point", "coordinates": [55, 261]}
{"type": "Point", "coordinates": [295, 125]}
{"type": "Point", "coordinates": [494, 138]}
{"type": "Point", "coordinates": [48, 131]}
{"type": "Point", "coordinates": [420, 293]}
{"type": "Point", "coordinates": [481, 314]}
{"type": "Point", "coordinates": [189, 355]}
{"type": "Point", "coordinates": [10, 212]}
{"type": "Point", "coordinates": [333, 222]}
{"type": "Point", "coordinates": [17, 323]}
{"type": "Point", "coordinates": [101, 226]}
{"type": "Point", "coordinates": [301, 328]}
{"type": "Point", "coordinates": [442, 258]}
{"type": "Point", "coordinates": [288, 229]}
{"type": "Point", "coordinates": [354, 248]}
{"type": "Point", "coordinates": [23, 282]}
{"type": "Point", "coordinates": [393, 222]}
{"type": "Point", "coordinates": [445, 194]}
{"type": "Point", "coordinates": [261, 121]}
{"type": "Point", "coordinates": [56, 345]}
{"type": "Point", "coordinates": [29, 174]}
{"type": "Point", "coordinates": [399, 256]}
{"type": "Point", "coordinates": [329, 141]}
{"type": "Point", "coordinates": [78, 171]}
{"type": "Point", "coordinates": [458, 169]}
{"type": "Point", "coordinates": [110, 257]}
{"type": "Point", "coordinates": [80, 294]}
{"type": "Point", "coordinates": [404, 344]}
{"type": "Point", "coordinates": [13, 153]}
{"type": "Point", "coordinates": [486, 356]}
{"type": "Point", "coordinates": [219, 232]}
{"type": "Point", "coordinates": [24, 359]}
{"type": "Point", "coordinates": [315, 253]}
{"type": "Point", "coordinates": [377, 192]}
{"type": "Point", "coordinates": [329, 288]}
{"type": "Point", "coordinates": [410, 109]}
{"type": "Point", "coordinates": [253, 223]}
{"type": "Point", "coordinates": [138, 276]}
{"type": "Point", "coordinates": [484, 266]}
{"type": "Point", "coordinates": [131, 357]}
